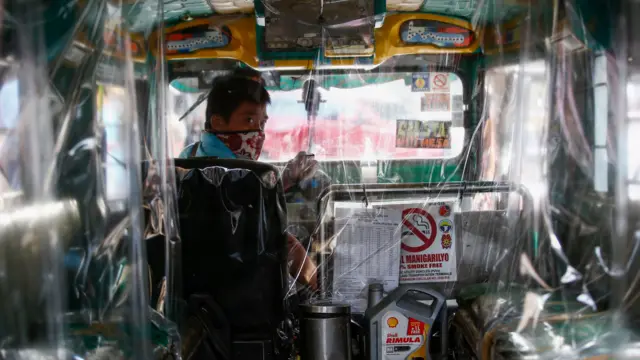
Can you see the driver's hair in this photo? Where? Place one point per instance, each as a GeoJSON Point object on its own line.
{"type": "Point", "coordinates": [229, 91]}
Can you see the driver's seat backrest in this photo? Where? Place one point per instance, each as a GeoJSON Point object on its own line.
{"type": "Point", "coordinates": [234, 247]}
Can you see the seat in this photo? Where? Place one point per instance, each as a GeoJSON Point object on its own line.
{"type": "Point", "coordinates": [234, 254]}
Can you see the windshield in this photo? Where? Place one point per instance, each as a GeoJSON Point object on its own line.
{"type": "Point", "coordinates": [361, 117]}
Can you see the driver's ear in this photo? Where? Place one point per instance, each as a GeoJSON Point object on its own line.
{"type": "Point", "coordinates": [217, 123]}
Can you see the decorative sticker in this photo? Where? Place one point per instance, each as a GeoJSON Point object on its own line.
{"type": "Point", "coordinates": [364, 60]}
{"type": "Point", "coordinates": [504, 38]}
{"type": "Point", "coordinates": [435, 102]}
{"type": "Point", "coordinates": [445, 226]}
{"type": "Point", "coordinates": [420, 82]}
{"type": "Point", "coordinates": [267, 63]}
{"type": "Point", "coordinates": [198, 38]}
{"type": "Point", "coordinates": [428, 248]}
{"type": "Point", "coordinates": [417, 134]}
{"type": "Point", "coordinates": [429, 32]}
{"type": "Point", "coordinates": [115, 42]}
{"type": "Point", "coordinates": [511, 36]}
{"type": "Point", "coordinates": [346, 46]}
{"type": "Point", "coordinates": [440, 82]}
{"type": "Point", "coordinates": [445, 210]}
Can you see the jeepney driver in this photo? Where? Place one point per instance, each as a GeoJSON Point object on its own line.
{"type": "Point", "coordinates": [236, 116]}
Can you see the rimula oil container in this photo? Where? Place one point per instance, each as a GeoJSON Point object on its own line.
{"type": "Point", "coordinates": [403, 324]}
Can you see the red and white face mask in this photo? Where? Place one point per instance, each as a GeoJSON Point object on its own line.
{"type": "Point", "coordinates": [245, 144]}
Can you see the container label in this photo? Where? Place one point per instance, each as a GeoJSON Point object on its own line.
{"type": "Point", "coordinates": [403, 337]}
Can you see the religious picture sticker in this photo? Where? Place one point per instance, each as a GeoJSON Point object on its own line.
{"type": "Point", "coordinates": [420, 82]}
{"type": "Point", "coordinates": [418, 134]}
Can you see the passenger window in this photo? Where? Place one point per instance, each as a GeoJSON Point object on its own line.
{"type": "Point", "coordinates": [111, 104]}
{"type": "Point", "coordinates": [9, 163]}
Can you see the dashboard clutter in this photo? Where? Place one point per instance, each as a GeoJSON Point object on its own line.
{"type": "Point", "coordinates": [405, 323]}
{"type": "Point", "coordinates": [325, 331]}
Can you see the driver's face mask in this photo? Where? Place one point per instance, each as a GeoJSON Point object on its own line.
{"type": "Point", "coordinates": [245, 144]}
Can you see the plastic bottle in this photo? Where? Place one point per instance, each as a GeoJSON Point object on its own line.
{"type": "Point", "coordinates": [401, 326]}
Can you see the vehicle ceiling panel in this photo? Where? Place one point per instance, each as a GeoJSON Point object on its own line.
{"type": "Point", "coordinates": [142, 13]}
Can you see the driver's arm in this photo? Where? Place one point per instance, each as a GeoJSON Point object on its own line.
{"type": "Point", "coordinates": [302, 167]}
{"type": "Point", "coordinates": [303, 269]}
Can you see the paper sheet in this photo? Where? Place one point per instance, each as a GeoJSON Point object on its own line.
{"type": "Point", "coordinates": [367, 250]}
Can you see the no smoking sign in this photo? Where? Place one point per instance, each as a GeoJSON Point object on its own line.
{"type": "Point", "coordinates": [422, 226]}
{"type": "Point", "coordinates": [428, 242]}
{"type": "Point", "coordinates": [440, 82]}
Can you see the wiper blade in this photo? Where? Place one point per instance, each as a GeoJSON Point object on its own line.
{"type": "Point", "coordinates": [201, 98]}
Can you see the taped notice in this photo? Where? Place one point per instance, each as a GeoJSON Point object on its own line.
{"type": "Point", "coordinates": [428, 242]}
{"type": "Point", "coordinates": [440, 82]}
{"type": "Point", "coordinates": [423, 134]}
{"type": "Point", "coordinates": [435, 102]}
{"type": "Point", "coordinates": [367, 250]}
{"type": "Point", "coordinates": [457, 119]}
{"type": "Point", "coordinates": [457, 103]}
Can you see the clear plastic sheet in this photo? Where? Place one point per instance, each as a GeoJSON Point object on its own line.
{"type": "Point", "coordinates": [75, 280]}
{"type": "Point", "coordinates": [482, 150]}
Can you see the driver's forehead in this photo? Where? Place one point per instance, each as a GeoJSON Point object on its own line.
{"type": "Point", "coordinates": [250, 109]}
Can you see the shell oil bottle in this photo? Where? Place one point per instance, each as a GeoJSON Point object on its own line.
{"type": "Point", "coordinates": [403, 324]}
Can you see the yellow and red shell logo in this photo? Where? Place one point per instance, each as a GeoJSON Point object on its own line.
{"type": "Point", "coordinates": [392, 322]}
{"type": "Point", "coordinates": [446, 241]}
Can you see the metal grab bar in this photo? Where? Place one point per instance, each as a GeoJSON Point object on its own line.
{"type": "Point", "coordinates": [461, 189]}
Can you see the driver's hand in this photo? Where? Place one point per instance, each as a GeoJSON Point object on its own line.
{"type": "Point", "coordinates": [300, 168]}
